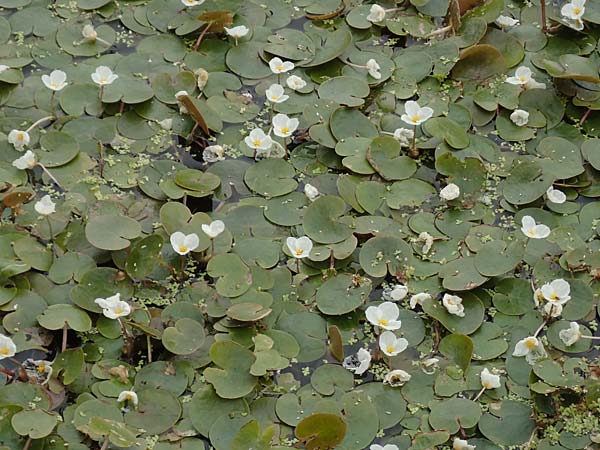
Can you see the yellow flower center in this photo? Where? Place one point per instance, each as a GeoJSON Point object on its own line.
{"type": "Point", "coordinates": [4, 351]}
{"type": "Point", "coordinates": [522, 79]}
{"type": "Point", "coordinates": [183, 249]}
{"type": "Point", "coordinates": [103, 80]}
{"type": "Point", "coordinates": [383, 322]}
{"type": "Point", "coordinates": [256, 142]}
{"type": "Point", "coordinates": [390, 349]}
{"type": "Point", "coordinates": [285, 130]}
{"type": "Point", "coordinates": [118, 310]}
{"type": "Point", "coordinates": [41, 369]}
{"type": "Point", "coordinates": [531, 231]}
{"type": "Point", "coordinates": [554, 297]}
{"type": "Point", "coordinates": [299, 251]}
{"type": "Point", "coordinates": [20, 136]}
{"type": "Point", "coordinates": [577, 10]}
{"type": "Point", "coordinates": [279, 67]}
{"type": "Point", "coordinates": [530, 343]}
{"type": "Point", "coordinates": [487, 384]}
{"type": "Point", "coordinates": [415, 119]}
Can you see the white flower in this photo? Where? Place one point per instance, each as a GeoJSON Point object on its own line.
{"type": "Point", "coordinates": [166, 124]}
{"type": "Point", "coordinates": [113, 307]}
{"type": "Point", "coordinates": [104, 76]}
{"type": "Point", "coordinates": [311, 192]}
{"type": "Point", "coordinates": [373, 67]}
{"type": "Point", "coordinates": [56, 81]}
{"type": "Point", "coordinates": [19, 139]}
{"type": "Point", "coordinates": [301, 247]}
{"type": "Point", "coordinates": [556, 195]}
{"type": "Point", "coordinates": [404, 136]}
{"type": "Point", "coordinates": [553, 309]}
{"type": "Point", "coordinates": [531, 348]}
{"type": "Point", "coordinates": [237, 32]}
{"type": "Point", "coordinates": [523, 77]}
{"type": "Point", "coordinates": [384, 447]}
{"type": "Point", "coordinates": [192, 2]}
{"type": "Point", "coordinates": [414, 114]}
{"type": "Point", "coordinates": [537, 296]}
{"type": "Point", "coordinates": [489, 380]}
{"type": "Point", "coordinates": [392, 345]}
{"type": "Point", "coordinates": [450, 192]}
{"type": "Point", "coordinates": [43, 369]}
{"type": "Point", "coordinates": [573, 10]}
{"type": "Point", "coordinates": [376, 14]}
{"type": "Point", "coordinates": [4, 68]}
{"type": "Point", "coordinates": [276, 94]}
{"type": "Point", "coordinates": [519, 117]}
{"type": "Point", "coordinates": [461, 444]}
{"type": "Point", "coordinates": [532, 230]}
{"type": "Point", "coordinates": [279, 66]}
{"type": "Point", "coordinates": [570, 335]}
{"type": "Point", "coordinates": [384, 316]}
{"type": "Point", "coordinates": [257, 139]}
{"type": "Point", "coordinates": [295, 83]}
{"type": "Point", "coordinates": [89, 33]}
{"type": "Point", "coordinates": [8, 349]}
{"type": "Point", "coordinates": [183, 244]}
{"type": "Point", "coordinates": [215, 228]}
{"type": "Point", "coordinates": [453, 304]}
{"type": "Point", "coordinates": [213, 153]}
{"type": "Point", "coordinates": [201, 78]}
{"type": "Point", "coordinates": [575, 24]}
{"type": "Point", "coordinates": [45, 206]}
{"type": "Point", "coordinates": [128, 396]}
{"type": "Point", "coordinates": [427, 239]}
{"type": "Point", "coordinates": [430, 365]}
{"type": "Point", "coordinates": [396, 378]}
{"type": "Point", "coordinates": [283, 126]}
{"type": "Point", "coordinates": [359, 362]}
{"type": "Point", "coordinates": [418, 299]}
{"type": "Point", "coordinates": [506, 21]}
{"type": "Point", "coordinates": [27, 161]}
{"type": "Point", "coordinates": [557, 291]}
{"type": "Point", "coordinates": [396, 292]}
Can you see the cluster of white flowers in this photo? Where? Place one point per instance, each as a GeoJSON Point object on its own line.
{"type": "Point", "coordinates": [554, 295]}
{"type": "Point", "coordinates": [573, 12]}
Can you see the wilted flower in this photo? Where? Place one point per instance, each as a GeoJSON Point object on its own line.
{"type": "Point", "coordinates": [384, 316]}
{"type": "Point", "coordinates": [295, 83]}
{"type": "Point", "coordinates": [427, 240]}
{"type": "Point", "coordinates": [414, 114]}
{"type": "Point", "coordinates": [556, 195]}
{"type": "Point", "coordinates": [418, 299]}
{"type": "Point", "coordinates": [404, 136]}
{"type": "Point", "coordinates": [374, 69]}
{"type": "Point", "coordinates": [570, 335]}
{"type": "Point", "coordinates": [56, 81]}
{"type": "Point", "coordinates": [430, 365]}
{"type": "Point", "coordinates": [506, 21]}
{"type": "Point", "coordinates": [128, 396]}
{"type": "Point", "coordinates": [359, 362]}
{"type": "Point", "coordinates": [453, 304]}
{"type": "Point", "coordinates": [519, 117]}
{"type": "Point", "coordinates": [104, 76]}
{"type": "Point", "coordinates": [8, 349]}
{"type": "Point", "coordinates": [396, 292]}
{"type": "Point", "coordinates": [184, 243]}
{"type": "Point", "coordinates": [278, 66]}
{"type": "Point", "coordinates": [113, 307]}
{"type": "Point", "coordinates": [276, 93]}
{"type": "Point", "coordinates": [450, 192]}
{"type": "Point", "coordinates": [396, 378]}
{"type": "Point", "coordinates": [283, 126]}
{"type": "Point", "coordinates": [533, 230]}
{"type": "Point", "coordinates": [27, 161]}
{"type": "Point", "coordinates": [300, 247]}
{"type": "Point", "coordinates": [19, 139]}
{"type": "Point", "coordinates": [201, 78]}
{"type": "Point", "coordinates": [258, 140]}
{"type": "Point", "coordinates": [45, 206]}
{"type": "Point", "coordinates": [89, 33]}
{"type": "Point", "coordinates": [392, 345]}
{"type": "Point", "coordinates": [213, 153]}
{"type": "Point", "coordinates": [166, 124]}
{"type": "Point", "coordinates": [178, 96]}
{"type": "Point", "coordinates": [376, 14]}
{"type": "Point", "coordinates": [311, 192]}
{"type": "Point", "coordinates": [215, 228]}
{"type": "Point", "coordinates": [40, 370]}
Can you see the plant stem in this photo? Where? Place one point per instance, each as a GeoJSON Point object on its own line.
{"type": "Point", "coordinates": [544, 25]}
{"type": "Point", "coordinates": [212, 248]}
{"type": "Point", "coordinates": [52, 102]}
{"type": "Point", "coordinates": [149, 348]}
{"type": "Point", "coordinates": [182, 267]}
{"type": "Point", "coordinates": [65, 335]}
{"type": "Point", "coordinates": [37, 122]}
{"type": "Point", "coordinates": [101, 162]}
{"type": "Point", "coordinates": [298, 265]}
{"type": "Point", "coordinates": [50, 175]}
{"type": "Point", "coordinates": [10, 373]}
{"type": "Point", "coordinates": [27, 444]}
{"type": "Point", "coordinates": [479, 394]}
{"type": "Point", "coordinates": [414, 153]}
{"type": "Point", "coordinates": [199, 41]}
{"type": "Point", "coordinates": [541, 327]}
{"type": "Point", "coordinates": [100, 94]}
{"type": "Point", "coordinates": [104, 444]}
{"type": "Point", "coordinates": [50, 230]}
{"type": "Point", "coordinates": [585, 116]}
